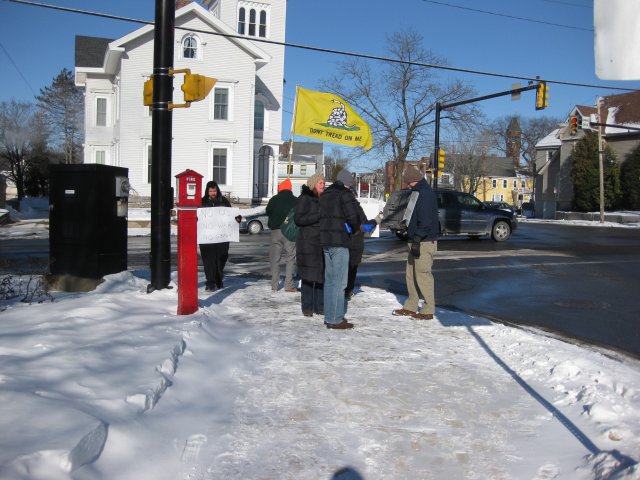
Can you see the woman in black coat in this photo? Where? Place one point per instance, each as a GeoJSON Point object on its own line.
{"type": "Point", "coordinates": [214, 255]}
{"type": "Point", "coordinates": [309, 254]}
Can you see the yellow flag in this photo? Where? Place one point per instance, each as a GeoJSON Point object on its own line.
{"type": "Point", "coordinates": [327, 117]}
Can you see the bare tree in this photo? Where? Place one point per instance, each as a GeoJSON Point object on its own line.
{"type": "Point", "coordinates": [398, 99]}
{"type": "Point", "coordinates": [533, 130]}
{"type": "Point", "coordinates": [467, 163]}
{"type": "Point", "coordinates": [63, 106]}
{"type": "Point", "coordinates": [20, 134]}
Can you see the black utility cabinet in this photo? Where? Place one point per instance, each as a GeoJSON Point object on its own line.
{"type": "Point", "coordinates": [88, 220]}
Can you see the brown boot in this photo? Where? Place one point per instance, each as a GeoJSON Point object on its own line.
{"type": "Point", "coordinates": [401, 312]}
{"type": "Point", "coordinates": [422, 316]}
{"type": "Point", "coordinates": [343, 325]}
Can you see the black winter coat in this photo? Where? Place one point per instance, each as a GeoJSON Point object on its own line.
{"type": "Point", "coordinates": [356, 249]}
{"type": "Point", "coordinates": [309, 255]}
{"type": "Point", "coordinates": [337, 206]}
{"type": "Point", "coordinates": [424, 220]}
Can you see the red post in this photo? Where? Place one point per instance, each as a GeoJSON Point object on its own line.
{"type": "Point", "coordinates": [189, 186]}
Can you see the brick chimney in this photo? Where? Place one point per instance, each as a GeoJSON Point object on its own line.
{"type": "Point", "coordinates": [182, 3]}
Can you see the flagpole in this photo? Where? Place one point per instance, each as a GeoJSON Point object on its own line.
{"type": "Point", "coordinates": [293, 122]}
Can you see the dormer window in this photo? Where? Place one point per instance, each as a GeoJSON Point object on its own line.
{"type": "Point", "coordinates": [253, 19]}
{"type": "Point", "coordinates": [191, 47]}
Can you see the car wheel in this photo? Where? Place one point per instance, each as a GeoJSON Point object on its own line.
{"type": "Point", "coordinates": [254, 227]}
{"type": "Point", "coordinates": [500, 231]}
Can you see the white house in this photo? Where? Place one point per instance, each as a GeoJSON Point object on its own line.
{"type": "Point", "coordinates": [233, 136]}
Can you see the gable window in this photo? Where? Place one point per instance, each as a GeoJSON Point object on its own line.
{"type": "Point", "coordinates": [303, 169]}
{"type": "Point", "coordinates": [191, 47]}
{"type": "Point", "coordinates": [252, 23]}
{"type": "Point", "coordinates": [219, 166]}
{"type": "Point", "coordinates": [258, 117]}
{"type": "Point", "coordinates": [241, 20]}
{"type": "Point", "coordinates": [253, 19]}
{"type": "Point", "coordinates": [504, 184]}
{"type": "Point", "coordinates": [494, 183]}
{"type": "Point", "coordinates": [101, 112]}
{"type": "Point", "coordinates": [262, 29]}
{"type": "Point", "coordinates": [515, 184]}
{"type": "Point", "coordinates": [523, 184]}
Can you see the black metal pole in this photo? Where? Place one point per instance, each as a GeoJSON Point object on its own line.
{"type": "Point", "coordinates": [436, 153]}
{"type": "Point", "coordinates": [161, 127]}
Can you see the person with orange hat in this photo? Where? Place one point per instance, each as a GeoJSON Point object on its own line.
{"type": "Point", "coordinates": [277, 210]}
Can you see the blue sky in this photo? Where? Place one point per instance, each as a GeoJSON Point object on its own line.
{"type": "Point", "coordinates": [41, 42]}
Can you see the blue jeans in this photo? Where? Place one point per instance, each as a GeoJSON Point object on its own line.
{"type": "Point", "coordinates": [336, 266]}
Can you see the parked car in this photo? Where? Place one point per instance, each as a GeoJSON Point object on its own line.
{"type": "Point", "coordinates": [501, 205]}
{"type": "Point", "coordinates": [254, 223]}
{"type": "Point", "coordinates": [458, 214]}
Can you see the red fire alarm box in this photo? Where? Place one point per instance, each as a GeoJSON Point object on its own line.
{"type": "Point", "coordinates": [188, 189]}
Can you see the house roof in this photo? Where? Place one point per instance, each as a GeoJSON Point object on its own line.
{"type": "Point", "coordinates": [308, 148]}
{"type": "Point", "coordinates": [622, 109]}
{"type": "Point", "coordinates": [90, 51]}
{"type": "Point", "coordinates": [550, 141]}
{"type": "Point", "coordinates": [89, 58]}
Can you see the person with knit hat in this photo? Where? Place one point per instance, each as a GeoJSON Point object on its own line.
{"type": "Point", "coordinates": [339, 217]}
{"type": "Point", "coordinates": [277, 210]}
{"type": "Point", "coordinates": [421, 217]}
{"type": "Point", "coordinates": [309, 255]}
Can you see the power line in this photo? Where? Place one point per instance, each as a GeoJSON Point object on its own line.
{"type": "Point", "coordinates": [513, 17]}
{"type": "Point", "coordinates": [17, 69]}
{"type": "Point", "coordinates": [568, 3]}
{"type": "Point", "coordinates": [336, 52]}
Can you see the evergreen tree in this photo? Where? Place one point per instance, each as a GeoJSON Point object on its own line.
{"type": "Point", "coordinates": [63, 106]}
{"type": "Point", "coordinates": [586, 183]}
{"type": "Point", "coordinates": [630, 180]}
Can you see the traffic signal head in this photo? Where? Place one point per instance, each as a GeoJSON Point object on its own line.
{"type": "Point", "coordinates": [542, 96]}
{"type": "Point", "coordinates": [573, 123]}
{"type": "Point", "coordinates": [441, 159]}
{"type": "Point", "coordinates": [196, 87]}
{"type": "Point", "coordinates": [147, 99]}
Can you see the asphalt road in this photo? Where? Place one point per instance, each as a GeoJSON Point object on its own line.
{"type": "Point", "coordinates": [579, 282]}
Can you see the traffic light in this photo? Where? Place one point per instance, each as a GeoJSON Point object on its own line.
{"type": "Point", "coordinates": [148, 92]}
{"type": "Point", "coordinates": [574, 125]}
{"type": "Point", "coordinates": [542, 96]}
{"type": "Point", "coordinates": [196, 87]}
{"type": "Point", "coordinates": [441, 159]}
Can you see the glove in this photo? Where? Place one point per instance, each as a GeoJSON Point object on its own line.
{"type": "Point", "coordinates": [414, 248]}
{"type": "Point", "coordinates": [238, 218]}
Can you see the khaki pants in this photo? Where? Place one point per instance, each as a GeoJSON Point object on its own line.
{"type": "Point", "coordinates": [420, 279]}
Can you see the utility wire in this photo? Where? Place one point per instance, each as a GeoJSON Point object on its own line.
{"type": "Point", "coordinates": [580, 5]}
{"type": "Point", "coordinates": [513, 17]}
{"type": "Point", "coordinates": [17, 69]}
{"type": "Point", "coordinates": [327, 50]}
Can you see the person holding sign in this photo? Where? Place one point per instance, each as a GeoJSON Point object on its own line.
{"type": "Point", "coordinates": [214, 255]}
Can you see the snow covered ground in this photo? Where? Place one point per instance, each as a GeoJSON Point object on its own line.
{"type": "Point", "coordinates": [112, 384]}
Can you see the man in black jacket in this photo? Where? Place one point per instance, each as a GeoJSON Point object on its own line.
{"type": "Point", "coordinates": [422, 229]}
{"type": "Point", "coordinates": [338, 218]}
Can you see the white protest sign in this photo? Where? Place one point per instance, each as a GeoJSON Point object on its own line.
{"type": "Point", "coordinates": [371, 209]}
{"type": "Point", "coordinates": [218, 224]}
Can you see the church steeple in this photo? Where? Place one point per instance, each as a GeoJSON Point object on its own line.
{"type": "Point", "coordinates": [514, 141]}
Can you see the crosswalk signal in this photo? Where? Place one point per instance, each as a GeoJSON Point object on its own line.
{"type": "Point", "coordinates": [441, 159]}
{"type": "Point", "coordinates": [574, 125]}
{"type": "Point", "coordinates": [542, 96]}
{"type": "Point", "coordinates": [196, 87]}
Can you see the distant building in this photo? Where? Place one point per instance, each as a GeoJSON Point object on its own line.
{"type": "Point", "coordinates": [307, 159]}
{"type": "Point", "coordinates": [553, 180]}
{"type": "Point", "coordinates": [233, 136]}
